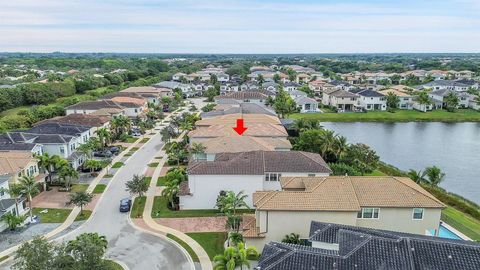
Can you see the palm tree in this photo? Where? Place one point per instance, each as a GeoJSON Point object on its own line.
{"type": "Point", "coordinates": [120, 125]}
{"type": "Point", "coordinates": [234, 257]}
{"type": "Point", "coordinates": [67, 174]}
{"type": "Point", "coordinates": [167, 133]}
{"type": "Point", "coordinates": [328, 138]}
{"type": "Point", "coordinates": [29, 188]}
{"type": "Point", "coordinates": [232, 201]}
{"type": "Point", "coordinates": [171, 189]}
{"type": "Point", "coordinates": [104, 136]}
{"type": "Point", "coordinates": [340, 146]}
{"type": "Point", "coordinates": [85, 149]}
{"type": "Point", "coordinates": [80, 199]}
{"type": "Point", "coordinates": [434, 175]}
{"type": "Point", "coordinates": [88, 249]}
{"type": "Point", "coordinates": [197, 149]}
{"type": "Point", "coordinates": [12, 220]}
{"type": "Point", "coordinates": [15, 192]}
{"type": "Point", "coordinates": [417, 176]}
{"type": "Point", "coordinates": [137, 185]}
{"type": "Point", "coordinates": [92, 164]}
{"type": "Point", "coordinates": [424, 100]}
{"type": "Point", "coordinates": [292, 238]}
{"type": "Point", "coordinates": [46, 163]}
{"type": "Point", "coordinates": [185, 125]}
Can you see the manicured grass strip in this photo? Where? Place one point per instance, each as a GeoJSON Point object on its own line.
{"type": "Point", "coordinates": [117, 165]}
{"type": "Point", "coordinates": [148, 179]}
{"type": "Point", "coordinates": [185, 246]}
{"type": "Point", "coordinates": [138, 206]}
{"type": "Point", "coordinates": [212, 242]}
{"type": "Point", "coordinates": [160, 210]}
{"type": "Point", "coordinates": [79, 187]}
{"type": "Point", "coordinates": [144, 140]}
{"type": "Point", "coordinates": [53, 215]}
{"type": "Point", "coordinates": [153, 164]}
{"type": "Point", "coordinates": [3, 258]}
{"type": "Point", "coordinates": [132, 140]}
{"type": "Point", "coordinates": [460, 115]}
{"type": "Point", "coordinates": [462, 222]}
{"type": "Point", "coordinates": [112, 265]}
{"type": "Point", "coordinates": [84, 215]}
{"type": "Point", "coordinates": [99, 188]}
{"type": "Point", "coordinates": [108, 176]}
{"type": "Point", "coordinates": [161, 181]}
{"type": "Point", "coordinates": [158, 157]}
{"type": "Point", "coordinates": [375, 173]}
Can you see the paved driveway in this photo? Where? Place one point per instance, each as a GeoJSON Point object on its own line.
{"type": "Point", "coordinates": [137, 249]}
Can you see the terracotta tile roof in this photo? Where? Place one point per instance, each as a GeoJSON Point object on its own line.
{"type": "Point", "coordinates": [183, 189]}
{"type": "Point", "coordinates": [107, 111]}
{"type": "Point", "coordinates": [249, 228]}
{"type": "Point", "coordinates": [243, 95]}
{"type": "Point", "coordinates": [235, 144]}
{"type": "Point", "coordinates": [89, 120]}
{"type": "Point", "coordinates": [254, 129]}
{"type": "Point", "coordinates": [231, 119]}
{"type": "Point", "coordinates": [130, 100]}
{"type": "Point", "coordinates": [344, 193]}
{"type": "Point", "coordinates": [95, 105]}
{"type": "Point", "coordinates": [11, 162]}
{"type": "Point", "coordinates": [260, 162]}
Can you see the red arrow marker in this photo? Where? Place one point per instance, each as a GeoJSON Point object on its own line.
{"type": "Point", "coordinates": [240, 129]}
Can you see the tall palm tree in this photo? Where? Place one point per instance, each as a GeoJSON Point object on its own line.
{"type": "Point", "coordinates": [417, 176]}
{"type": "Point", "coordinates": [29, 188]}
{"type": "Point", "coordinates": [104, 136]}
{"type": "Point", "coordinates": [328, 138]}
{"type": "Point", "coordinates": [234, 257]}
{"type": "Point", "coordinates": [46, 163]}
{"type": "Point", "coordinates": [340, 147]}
{"type": "Point", "coordinates": [171, 189]}
{"type": "Point", "coordinates": [434, 175]}
{"type": "Point", "coordinates": [67, 174]}
{"type": "Point", "coordinates": [85, 149]}
{"type": "Point", "coordinates": [197, 149]}
{"type": "Point", "coordinates": [423, 99]}
{"type": "Point", "coordinates": [120, 124]}
{"type": "Point", "coordinates": [15, 192]}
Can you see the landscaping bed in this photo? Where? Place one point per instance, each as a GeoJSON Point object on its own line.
{"type": "Point", "coordinates": [137, 207]}
{"type": "Point", "coordinates": [117, 165]}
{"type": "Point", "coordinates": [100, 188]}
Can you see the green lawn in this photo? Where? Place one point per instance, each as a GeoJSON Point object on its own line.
{"type": "Point", "coordinates": [148, 179]}
{"type": "Point", "coordinates": [137, 208]}
{"type": "Point", "coordinates": [185, 246]}
{"type": "Point", "coordinates": [160, 210]}
{"type": "Point", "coordinates": [462, 222]}
{"type": "Point", "coordinates": [99, 188]}
{"type": "Point", "coordinates": [158, 157]}
{"type": "Point", "coordinates": [161, 181]}
{"type": "Point", "coordinates": [117, 165]}
{"type": "Point", "coordinates": [112, 265]}
{"type": "Point", "coordinates": [212, 242]}
{"type": "Point", "coordinates": [153, 164]}
{"type": "Point", "coordinates": [132, 140]}
{"type": "Point", "coordinates": [3, 258]}
{"type": "Point", "coordinates": [14, 111]}
{"type": "Point", "coordinates": [108, 176]}
{"type": "Point", "coordinates": [461, 115]}
{"type": "Point", "coordinates": [58, 215]}
{"type": "Point", "coordinates": [376, 173]}
{"type": "Point", "coordinates": [144, 140]}
{"type": "Point", "coordinates": [79, 187]}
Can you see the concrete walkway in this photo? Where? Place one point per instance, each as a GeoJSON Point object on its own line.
{"type": "Point", "coordinates": [202, 255]}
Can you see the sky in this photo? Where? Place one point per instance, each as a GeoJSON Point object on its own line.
{"type": "Point", "coordinates": [240, 26]}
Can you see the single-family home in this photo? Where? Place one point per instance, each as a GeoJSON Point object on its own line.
{"type": "Point", "coordinates": [343, 100]}
{"type": "Point", "coordinates": [270, 86]}
{"type": "Point", "coordinates": [134, 107]}
{"type": "Point", "coordinates": [446, 85]}
{"type": "Point", "coordinates": [16, 164]}
{"type": "Point", "coordinates": [247, 172]}
{"type": "Point", "coordinates": [88, 107]}
{"type": "Point", "coordinates": [7, 203]}
{"type": "Point", "coordinates": [291, 86]}
{"type": "Point", "coordinates": [241, 96]}
{"type": "Point", "coordinates": [438, 97]}
{"type": "Point", "coordinates": [405, 99]}
{"type": "Point", "coordinates": [338, 246]}
{"type": "Point", "coordinates": [263, 130]}
{"type": "Point", "coordinates": [186, 89]}
{"type": "Point", "coordinates": [152, 94]}
{"type": "Point", "coordinates": [92, 121]}
{"type": "Point", "coordinates": [178, 76]}
{"type": "Point", "coordinates": [474, 102]}
{"type": "Point", "coordinates": [231, 120]}
{"type": "Point", "coordinates": [371, 100]}
{"type": "Point", "coordinates": [306, 104]}
{"type": "Point", "coordinates": [384, 202]}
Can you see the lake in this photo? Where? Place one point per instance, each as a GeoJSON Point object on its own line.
{"type": "Point", "coordinates": [453, 147]}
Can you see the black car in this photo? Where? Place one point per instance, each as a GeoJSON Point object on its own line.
{"type": "Point", "coordinates": [114, 150]}
{"type": "Point", "coordinates": [125, 205]}
{"type": "Point", "coordinates": [105, 153]}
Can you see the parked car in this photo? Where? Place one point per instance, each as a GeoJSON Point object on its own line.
{"type": "Point", "coordinates": [105, 153]}
{"type": "Point", "coordinates": [125, 204]}
{"type": "Point", "coordinates": [114, 149]}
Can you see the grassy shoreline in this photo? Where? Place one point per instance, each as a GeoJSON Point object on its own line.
{"type": "Point", "coordinates": [460, 115]}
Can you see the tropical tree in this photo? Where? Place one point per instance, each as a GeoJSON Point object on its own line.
{"type": "Point", "coordinates": [284, 105]}
{"type": "Point", "coordinates": [120, 125]}
{"type": "Point", "coordinates": [80, 199]}
{"type": "Point", "coordinates": [361, 157]}
{"type": "Point", "coordinates": [434, 175]}
{"type": "Point", "coordinates": [104, 136]}
{"type": "Point", "coordinates": [85, 149]}
{"type": "Point", "coordinates": [68, 174]}
{"type": "Point", "coordinates": [46, 163]}
{"type": "Point", "coordinates": [260, 79]}
{"type": "Point", "coordinates": [234, 257]}
{"type": "Point", "coordinates": [197, 149]}
{"type": "Point", "coordinates": [423, 99]}
{"type": "Point", "coordinates": [15, 192]}
{"type": "Point", "coordinates": [92, 165]}
{"type": "Point", "coordinates": [138, 185]}
{"type": "Point", "coordinates": [292, 238]}
{"type": "Point", "coordinates": [229, 202]}
{"type": "Point", "coordinates": [451, 100]}
{"type": "Point", "coordinates": [392, 100]}
{"type": "Point", "coordinates": [29, 188]}
{"type": "Point", "coordinates": [235, 238]}
{"type": "Point", "coordinates": [339, 147]}
{"type": "Point", "coordinates": [170, 191]}
{"type": "Point", "coordinates": [88, 250]}
{"type": "Point", "coordinates": [303, 124]}
{"type": "Point", "coordinates": [167, 133]}
{"type": "Point", "coordinates": [12, 220]}
{"type": "Point", "coordinates": [417, 176]}
{"type": "Point", "coordinates": [35, 254]}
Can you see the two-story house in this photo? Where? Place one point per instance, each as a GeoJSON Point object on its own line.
{"type": "Point", "coordinates": [371, 100]}
{"type": "Point", "coordinates": [343, 100]}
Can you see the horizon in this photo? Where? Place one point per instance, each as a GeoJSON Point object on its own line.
{"type": "Point", "coordinates": [240, 27]}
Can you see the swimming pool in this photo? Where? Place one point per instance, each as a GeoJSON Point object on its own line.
{"type": "Point", "coordinates": [446, 233]}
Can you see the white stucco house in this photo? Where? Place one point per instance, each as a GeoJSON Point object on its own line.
{"type": "Point", "coordinates": [246, 171]}
{"type": "Point", "coordinates": [371, 100]}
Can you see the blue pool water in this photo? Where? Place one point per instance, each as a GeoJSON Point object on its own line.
{"type": "Point", "coordinates": [446, 233]}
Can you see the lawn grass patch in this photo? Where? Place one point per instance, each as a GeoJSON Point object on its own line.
{"type": "Point", "coordinates": [108, 176]}
{"type": "Point", "coordinates": [99, 188]}
{"type": "Point", "coordinates": [117, 165]}
{"type": "Point", "coordinates": [460, 115]}
{"type": "Point", "coordinates": [148, 179]}
{"type": "Point", "coordinates": [153, 165]}
{"type": "Point", "coordinates": [212, 242]}
{"type": "Point", "coordinates": [375, 173]}
{"type": "Point", "coordinates": [138, 206]}
{"type": "Point", "coordinates": [462, 222]}
{"type": "Point", "coordinates": [161, 181]}
{"type": "Point", "coordinates": [131, 139]}
{"type": "Point", "coordinates": [79, 187]}
{"type": "Point", "coordinates": [144, 140]}
{"type": "Point", "coordinates": [53, 215]}
{"type": "Point", "coordinates": [185, 246]}
{"type": "Point", "coordinates": [112, 265]}
{"type": "Point", "coordinates": [158, 157]}
{"type": "Point", "coordinates": [160, 210]}
{"type": "Point", "coordinates": [3, 258]}
{"type": "Point", "coordinates": [84, 215]}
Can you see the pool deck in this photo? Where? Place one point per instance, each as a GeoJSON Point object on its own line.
{"type": "Point", "coordinates": [455, 231]}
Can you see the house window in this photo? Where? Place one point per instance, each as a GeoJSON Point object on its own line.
{"type": "Point", "coordinates": [369, 213]}
{"type": "Point", "coordinates": [272, 177]}
{"type": "Point", "coordinates": [417, 213]}
{"type": "Point", "coordinates": [311, 175]}
{"type": "Point", "coordinates": [62, 150]}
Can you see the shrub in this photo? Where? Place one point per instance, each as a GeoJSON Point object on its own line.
{"type": "Point", "coordinates": [343, 169]}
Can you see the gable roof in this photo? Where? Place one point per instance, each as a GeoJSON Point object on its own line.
{"type": "Point", "coordinates": [254, 129]}
{"type": "Point", "coordinates": [11, 162]}
{"type": "Point", "coordinates": [341, 94]}
{"type": "Point", "coordinates": [236, 144]}
{"type": "Point", "coordinates": [95, 105]}
{"type": "Point", "coordinates": [259, 162]}
{"type": "Point", "coordinates": [367, 93]}
{"type": "Point", "coordinates": [363, 248]}
{"type": "Point", "coordinates": [57, 128]}
{"type": "Point", "coordinates": [345, 193]}
{"type": "Point", "coordinates": [242, 95]}
{"type": "Point", "coordinates": [87, 120]}
{"type": "Point", "coordinates": [231, 119]}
